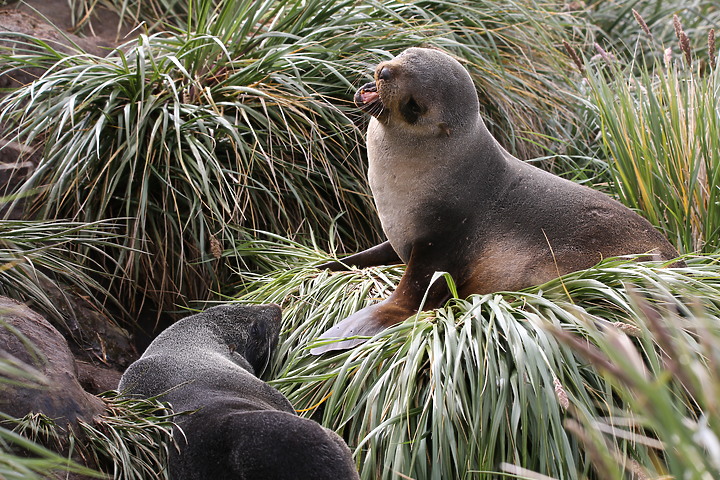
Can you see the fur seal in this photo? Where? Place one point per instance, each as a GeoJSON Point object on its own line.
{"type": "Point", "coordinates": [238, 426]}
{"type": "Point", "coordinates": [451, 199]}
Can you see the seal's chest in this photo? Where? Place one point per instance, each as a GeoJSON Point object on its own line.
{"type": "Point", "coordinates": [406, 205]}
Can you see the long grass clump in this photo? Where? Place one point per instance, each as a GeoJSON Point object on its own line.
{"type": "Point", "coordinates": [186, 136]}
{"type": "Point", "coordinates": [23, 459]}
{"type": "Point", "coordinates": [239, 119]}
{"type": "Point", "coordinates": [659, 132]}
{"type": "Point", "coordinates": [38, 257]}
{"type": "Point", "coordinates": [665, 371]}
{"type": "Point", "coordinates": [130, 441]}
{"type": "Point", "coordinates": [637, 27]}
{"type": "Point", "coordinates": [511, 47]}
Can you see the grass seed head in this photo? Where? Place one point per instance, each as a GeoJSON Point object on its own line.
{"type": "Point", "coordinates": [604, 54]}
{"type": "Point", "coordinates": [562, 395]}
{"type": "Point", "coordinates": [678, 27]}
{"type": "Point", "coordinates": [215, 247]}
{"type": "Point", "coordinates": [628, 329]}
{"type": "Point", "coordinates": [711, 48]}
{"type": "Point", "coordinates": [685, 47]}
{"type": "Point", "coordinates": [667, 57]}
{"type": "Point", "coordinates": [642, 23]}
{"type": "Point", "coordinates": [574, 56]}
{"type": "Point", "coordinates": [683, 39]}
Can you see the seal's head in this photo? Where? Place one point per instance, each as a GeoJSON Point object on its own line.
{"type": "Point", "coordinates": [251, 331]}
{"type": "Point", "coordinates": [423, 91]}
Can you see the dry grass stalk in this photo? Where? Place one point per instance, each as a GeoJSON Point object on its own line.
{"type": "Point", "coordinates": [600, 463]}
{"type": "Point", "coordinates": [594, 355]}
{"type": "Point", "coordinates": [605, 55]}
{"type": "Point", "coordinates": [523, 472]}
{"type": "Point", "coordinates": [667, 57]}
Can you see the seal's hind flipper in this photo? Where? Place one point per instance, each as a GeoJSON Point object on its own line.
{"type": "Point", "coordinates": [412, 293]}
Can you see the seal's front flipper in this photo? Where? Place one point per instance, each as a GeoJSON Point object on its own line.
{"type": "Point", "coordinates": [413, 291]}
{"type": "Point", "coordinates": [382, 254]}
{"type": "Point", "coordinates": [361, 325]}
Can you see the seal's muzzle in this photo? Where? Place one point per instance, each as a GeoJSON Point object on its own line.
{"type": "Point", "coordinates": [368, 100]}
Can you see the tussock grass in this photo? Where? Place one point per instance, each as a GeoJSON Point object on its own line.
{"type": "Point", "coordinates": [483, 382]}
{"type": "Point", "coordinates": [665, 371]}
{"type": "Point", "coordinates": [40, 462]}
{"type": "Point", "coordinates": [240, 119]}
{"type": "Point", "coordinates": [131, 441]}
{"type": "Point", "coordinates": [159, 134]}
{"type": "Point", "coordinates": [37, 256]}
{"type": "Point", "coordinates": [659, 131]}
{"type": "Point", "coordinates": [618, 28]}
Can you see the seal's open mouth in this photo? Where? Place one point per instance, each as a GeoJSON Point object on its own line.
{"type": "Point", "coordinates": [368, 100]}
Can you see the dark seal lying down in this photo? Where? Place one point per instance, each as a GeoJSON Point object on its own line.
{"type": "Point", "coordinates": [240, 428]}
{"type": "Point", "coordinates": [451, 199]}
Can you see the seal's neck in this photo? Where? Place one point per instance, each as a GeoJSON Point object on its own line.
{"type": "Point", "coordinates": [415, 181]}
{"type": "Point", "coordinates": [431, 161]}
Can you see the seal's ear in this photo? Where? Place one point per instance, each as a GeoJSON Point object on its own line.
{"type": "Point", "coordinates": [260, 344]}
{"type": "Point", "coordinates": [444, 129]}
{"type": "Point", "coordinates": [412, 110]}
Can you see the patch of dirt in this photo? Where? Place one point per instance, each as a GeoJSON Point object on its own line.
{"type": "Point", "coordinates": [97, 380]}
{"type": "Point", "coordinates": [102, 29]}
{"type": "Point", "coordinates": [51, 21]}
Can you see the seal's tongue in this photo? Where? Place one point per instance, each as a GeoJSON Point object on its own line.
{"type": "Point", "coordinates": [367, 96]}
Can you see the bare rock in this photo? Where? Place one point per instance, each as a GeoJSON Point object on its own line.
{"type": "Point", "coordinates": [50, 21]}
{"type": "Point", "coordinates": [96, 379]}
{"type": "Point", "coordinates": [27, 337]}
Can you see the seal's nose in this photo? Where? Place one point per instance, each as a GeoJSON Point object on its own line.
{"type": "Point", "coordinates": [384, 74]}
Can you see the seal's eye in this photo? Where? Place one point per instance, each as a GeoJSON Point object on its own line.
{"type": "Point", "coordinates": [384, 74]}
{"type": "Point", "coordinates": [412, 110]}
{"type": "Point", "coordinates": [258, 330]}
